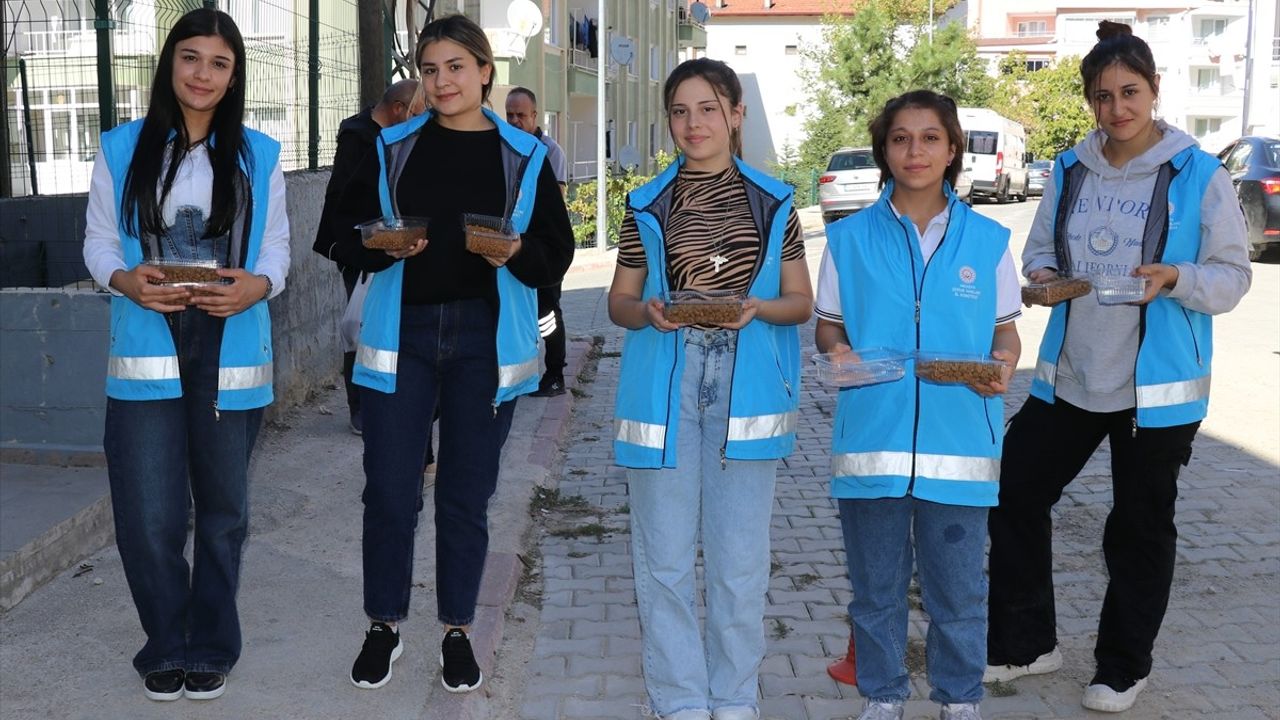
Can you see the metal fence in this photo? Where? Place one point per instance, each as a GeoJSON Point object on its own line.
{"type": "Point", "coordinates": [75, 67]}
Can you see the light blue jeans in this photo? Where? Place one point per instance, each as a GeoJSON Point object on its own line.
{"type": "Point", "coordinates": [728, 503]}
{"type": "Point", "coordinates": [948, 541]}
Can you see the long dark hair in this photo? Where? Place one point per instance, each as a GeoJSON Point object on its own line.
{"type": "Point", "coordinates": [141, 204]}
{"type": "Point", "coordinates": [720, 77]}
{"type": "Point", "coordinates": [942, 105]}
{"type": "Point", "coordinates": [1117, 45]}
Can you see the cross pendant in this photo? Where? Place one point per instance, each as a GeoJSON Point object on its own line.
{"type": "Point", "coordinates": [718, 260]}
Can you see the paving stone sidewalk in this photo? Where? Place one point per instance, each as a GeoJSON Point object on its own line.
{"type": "Point", "coordinates": [1218, 655]}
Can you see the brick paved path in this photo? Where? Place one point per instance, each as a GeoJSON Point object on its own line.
{"type": "Point", "coordinates": [1218, 657]}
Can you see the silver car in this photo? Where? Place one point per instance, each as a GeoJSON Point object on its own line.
{"type": "Point", "coordinates": [850, 183]}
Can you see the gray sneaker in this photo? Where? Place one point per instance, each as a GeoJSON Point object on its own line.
{"type": "Point", "coordinates": [960, 711]}
{"type": "Point", "coordinates": [882, 711]}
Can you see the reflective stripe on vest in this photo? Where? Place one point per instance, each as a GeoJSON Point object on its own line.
{"type": "Point", "coordinates": [383, 361]}
{"type": "Point", "coordinates": [1173, 393]}
{"type": "Point", "coordinates": [1046, 371]}
{"type": "Point", "coordinates": [158, 367]}
{"type": "Point", "coordinates": [761, 427]}
{"type": "Point", "coordinates": [635, 432]}
{"type": "Point", "coordinates": [938, 467]}
{"type": "Point", "coordinates": [512, 375]}
{"type": "Point", "coordinates": [244, 378]}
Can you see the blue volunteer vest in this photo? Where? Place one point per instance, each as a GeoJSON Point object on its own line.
{"type": "Point", "coordinates": [142, 363]}
{"type": "Point", "coordinates": [765, 390]}
{"type": "Point", "coordinates": [517, 340]}
{"type": "Point", "coordinates": [935, 442]}
{"type": "Point", "coordinates": [1175, 344]}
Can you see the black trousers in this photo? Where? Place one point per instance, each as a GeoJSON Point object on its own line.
{"type": "Point", "coordinates": [549, 304]}
{"type": "Point", "coordinates": [1045, 447]}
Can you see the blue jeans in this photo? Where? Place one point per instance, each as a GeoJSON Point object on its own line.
{"type": "Point", "coordinates": [449, 358]}
{"type": "Point", "coordinates": [161, 456]}
{"type": "Point", "coordinates": [185, 239]}
{"type": "Point", "coordinates": [731, 502]}
{"type": "Point", "coordinates": [948, 541]}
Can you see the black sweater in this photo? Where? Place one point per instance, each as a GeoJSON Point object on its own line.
{"type": "Point", "coordinates": [448, 173]}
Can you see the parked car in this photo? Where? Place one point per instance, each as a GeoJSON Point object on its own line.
{"type": "Point", "coordinates": [1254, 164]}
{"type": "Point", "coordinates": [1038, 174]}
{"type": "Point", "coordinates": [851, 182]}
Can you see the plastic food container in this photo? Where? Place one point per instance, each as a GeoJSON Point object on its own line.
{"type": "Point", "coordinates": [488, 234]}
{"type": "Point", "coordinates": [188, 273]}
{"type": "Point", "coordinates": [1119, 289]}
{"type": "Point", "coordinates": [1055, 291]}
{"type": "Point", "coordinates": [862, 367]}
{"type": "Point", "coordinates": [397, 234]}
{"type": "Point", "coordinates": [695, 307]}
{"type": "Point", "coordinates": [950, 368]}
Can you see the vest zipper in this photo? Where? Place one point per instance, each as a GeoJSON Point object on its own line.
{"type": "Point", "coordinates": [1194, 342]}
{"type": "Point", "coordinates": [217, 417]}
{"type": "Point", "coordinates": [729, 414]}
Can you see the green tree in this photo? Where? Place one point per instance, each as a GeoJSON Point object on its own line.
{"type": "Point", "coordinates": [874, 55]}
{"type": "Point", "coordinates": [582, 205]}
{"type": "Point", "coordinates": [1048, 102]}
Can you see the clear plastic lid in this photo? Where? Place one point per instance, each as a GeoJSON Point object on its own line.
{"type": "Point", "coordinates": [861, 367]}
{"type": "Point", "coordinates": [180, 272]}
{"type": "Point", "coordinates": [962, 368]}
{"type": "Point", "coordinates": [1119, 289]}
{"type": "Point", "coordinates": [396, 234]}
{"type": "Point", "coordinates": [488, 234]}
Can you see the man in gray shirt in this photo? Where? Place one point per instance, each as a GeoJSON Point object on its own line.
{"type": "Point", "coordinates": [522, 111]}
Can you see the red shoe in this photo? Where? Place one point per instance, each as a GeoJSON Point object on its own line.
{"type": "Point", "coordinates": [845, 670]}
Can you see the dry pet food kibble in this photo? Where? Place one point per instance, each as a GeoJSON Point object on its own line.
{"type": "Point", "coordinates": [394, 238]}
{"type": "Point", "coordinates": [1056, 291]}
{"type": "Point", "coordinates": [959, 371]}
{"type": "Point", "coordinates": [702, 313]}
{"type": "Point", "coordinates": [482, 240]}
{"type": "Point", "coordinates": [177, 274]}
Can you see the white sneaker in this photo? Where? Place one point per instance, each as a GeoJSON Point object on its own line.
{"type": "Point", "coordinates": [688, 715]}
{"type": "Point", "coordinates": [882, 711]}
{"type": "Point", "coordinates": [1046, 663]}
{"type": "Point", "coordinates": [1103, 698]}
{"type": "Point", "coordinates": [960, 711]}
{"type": "Point", "coordinates": [736, 712]}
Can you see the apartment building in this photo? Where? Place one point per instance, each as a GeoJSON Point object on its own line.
{"type": "Point", "coordinates": [637, 44]}
{"type": "Point", "coordinates": [763, 40]}
{"type": "Point", "coordinates": [1202, 50]}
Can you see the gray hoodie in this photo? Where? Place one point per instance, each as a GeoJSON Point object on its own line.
{"type": "Point", "coordinates": [1104, 234]}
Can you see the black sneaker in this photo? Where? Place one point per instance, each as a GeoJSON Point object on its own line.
{"type": "Point", "coordinates": [459, 673]}
{"type": "Point", "coordinates": [549, 387]}
{"type": "Point", "coordinates": [163, 685]}
{"type": "Point", "coordinates": [356, 424]}
{"type": "Point", "coordinates": [372, 668]}
{"type": "Point", "coordinates": [205, 685]}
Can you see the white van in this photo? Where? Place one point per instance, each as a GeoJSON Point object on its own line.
{"type": "Point", "coordinates": [995, 154]}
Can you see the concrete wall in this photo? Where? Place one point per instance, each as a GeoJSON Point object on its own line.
{"type": "Point", "coordinates": [53, 346]}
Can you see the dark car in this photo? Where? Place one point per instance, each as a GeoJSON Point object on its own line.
{"type": "Point", "coordinates": [1038, 174]}
{"type": "Point", "coordinates": [1254, 164]}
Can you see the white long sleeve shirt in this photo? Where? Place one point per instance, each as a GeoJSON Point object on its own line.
{"type": "Point", "coordinates": [192, 187]}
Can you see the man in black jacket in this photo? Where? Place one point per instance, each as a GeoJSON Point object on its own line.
{"type": "Point", "coordinates": [351, 197]}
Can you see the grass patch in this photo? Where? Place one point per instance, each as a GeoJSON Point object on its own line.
{"type": "Point", "coordinates": [579, 471]}
{"type": "Point", "coordinates": [576, 554]}
{"type": "Point", "coordinates": [625, 509]}
{"type": "Point", "coordinates": [595, 530]}
{"type": "Point", "coordinates": [774, 567]}
{"type": "Point", "coordinates": [611, 354]}
{"type": "Point", "coordinates": [803, 581]}
{"type": "Point", "coordinates": [551, 500]}
{"type": "Point", "coordinates": [1000, 689]}
{"type": "Point", "coordinates": [780, 629]}
{"type": "Point", "coordinates": [529, 589]}
{"type": "Point", "coordinates": [915, 656]}
{"type": "Point", "coordinates": [579, 393]}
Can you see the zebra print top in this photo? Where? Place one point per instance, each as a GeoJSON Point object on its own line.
{"type": "Point", "coordinates": [710, 218]}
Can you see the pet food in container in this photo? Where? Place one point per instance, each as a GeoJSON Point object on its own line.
{"type": "Point", "coordinates": [696, 307]}
{"type": "Point", "coordinates": [1055, 291]}
{"type": "Point", "coordinates": [488, 235]}
{"type": "Point", "coordinates": [396, 234]}
{"type": "Point", "coordinates": [860, 367]}
{"type": "Point", "coordinates": [188, 273]}
{"type": "Point", "coordinates": [956, 368]}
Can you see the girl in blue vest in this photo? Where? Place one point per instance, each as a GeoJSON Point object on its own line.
{"type": "Point", "coordinates": [189, 373]}
{"type": "Point", "coordinates": [443, 327]}
{"type": "Point", "coordinates": [915, 463]}
{"type": "Point", "coordinates": [1135, 197]}
{"type": "Point", "coordinates": [704, 412]}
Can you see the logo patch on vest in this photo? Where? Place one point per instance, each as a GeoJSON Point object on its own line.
{"type": "Point", "coordinates": [967, 290]}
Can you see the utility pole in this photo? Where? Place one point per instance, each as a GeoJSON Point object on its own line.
{"type": "Point", "coordinates": [602, 172]}
{"type": "Point", "coordinates": [1248, 73]}
{"type": "Point", "coordinates": [369, 24]}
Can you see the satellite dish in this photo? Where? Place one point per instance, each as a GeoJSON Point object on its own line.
{"type": "Point", "coordinates": [699, 11]}
{"type": "Point", "coordinates": [629, 158]}
{"type": "Point", "coordinates": [622, 49]}
{"type": "Point", "coordinates": [524, 18]}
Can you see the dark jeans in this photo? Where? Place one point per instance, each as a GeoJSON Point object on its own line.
{"type": "Point", "coordinates": [161, 456]}
{"type": "Point", "coordinates": [447, 356]}
{"type": "Point", "coordinates": [1045, 448]}
{"type": "Point", "coordinates": [549, 304]}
